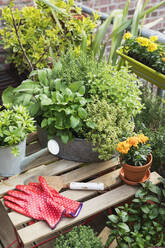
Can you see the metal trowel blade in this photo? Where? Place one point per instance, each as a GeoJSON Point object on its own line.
{"type": "Point", "coordinates": [55, 182]}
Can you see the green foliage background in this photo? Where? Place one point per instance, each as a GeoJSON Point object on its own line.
{"type": "Point", "coordinates": [41, 28]}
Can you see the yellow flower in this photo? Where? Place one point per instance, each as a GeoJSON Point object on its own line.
{"type": "Point", "coordinates": [123, 147]}
{"type": "Point", "coordinates": [153, 38]}
{"type": "Point", "coordinates": [142, 138]}
{"type": "Point", "coordinates": [133, 141]}
{"type": "Point", "coordinates": [143, 41]}
{"type": "Point", "coordinates": [152, 47]}
{"type": "Point", "coordinates": [163, 59]}
{"type": "Point", "coordinates": [127, 35]}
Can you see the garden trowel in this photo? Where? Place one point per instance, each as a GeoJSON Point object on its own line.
{"type": "Point", "coordinates": [57, 183]}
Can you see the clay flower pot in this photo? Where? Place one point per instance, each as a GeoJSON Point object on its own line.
{"type": "Point", "coordinates": [136, 173]}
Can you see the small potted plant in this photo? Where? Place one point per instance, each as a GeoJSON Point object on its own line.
{"type": "Point", "coordinates": [146, 57]}
{"type": "Point", "coordinates": [135, 158]}
{"type": "Point", "coordinates": [15, 124]}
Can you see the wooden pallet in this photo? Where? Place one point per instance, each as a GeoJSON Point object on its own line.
{"type": "Point", "coordinates": [93, 202]}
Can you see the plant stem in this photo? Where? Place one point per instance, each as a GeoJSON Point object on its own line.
{"type": "Point", "coordinates": [19, 40]}
{"type": "Point", "coordinates": [41, 58]}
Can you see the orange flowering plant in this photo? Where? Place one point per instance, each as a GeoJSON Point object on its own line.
{"type": "Point", "coordinates": [146, 50]}
{"type": "Point", "coordinates": [134, 150]}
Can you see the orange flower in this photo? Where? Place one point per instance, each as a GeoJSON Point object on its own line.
{"type": "Point", "coordinates": [142, 138]}
{"type": "Point", "coordinates": [163, 59]}
{"type": "Point", "coordinates": [133, 141]}
{"type": "Point", "coordinates": [123, 147]}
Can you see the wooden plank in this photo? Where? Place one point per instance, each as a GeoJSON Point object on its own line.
{"type": "Point", "coordinates": [7, 230]}
{"type": "Point", "coordinates": [110, 179]}
{"type": "Point", "coordinates": [89, 170]}
{"type": "Point", "coordinates": [56, 168]}
{"type": "Point", "coordinates": [90, 207]}
{"type": "Point", "coordinates": [51, 169]}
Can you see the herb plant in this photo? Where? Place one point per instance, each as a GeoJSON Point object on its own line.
{"type": "Point", "coordinates": [60, 99]}
{"type": "Point", "coordinates": [78, 237]}
{"type": "Point", "coordinates": [15, 124]}
{"type": "Point", "coordinates": [140, 224]}
{"type": "Point", "coordinates": [107, 123]}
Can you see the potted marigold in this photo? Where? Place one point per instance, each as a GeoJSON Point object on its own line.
{"type": "Point", "coordinates": [146, 57]}
{"type": "Point", "coordinates": [135, 158]}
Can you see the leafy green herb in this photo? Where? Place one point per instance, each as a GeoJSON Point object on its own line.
{"type": "Point", "coordinates": [140, 224]}
{"type": "Point", "coordinates": [15, 124]}
{"type": "Point", "coordinates": [78, 237]}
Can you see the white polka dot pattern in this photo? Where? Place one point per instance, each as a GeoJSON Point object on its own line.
{"type": "Point", "coordinates": [41, 202]}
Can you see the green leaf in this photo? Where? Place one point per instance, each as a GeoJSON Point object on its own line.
{"type": "Point", "coordinates": [59, 97]}
{"type": "Point", "coordinates": [128, 239]}
{"type": "Point", "coordinates": [100, 34]}
{"type": "Point", "coordinates": [124, 226]}
{"type": "Point", "coordinates": [44, 123]}
{"type": "Point", "coordinates": [42, 76]}
{"type": "Point", "coordinates": [136, 17]}
{"type": "Point", "coordinates": [153, 213]}
{"type": "Point", "coordinates": [45, 101]}
{"type": "Point", "coordinates": [91, 124]}
{"type": "Point", "coordinates": [74, 121]}
{"type": "Point", "coordinates": [163, 191]}
{"type": "Point", "coordinates": [140, 193]}
{"type": "Point", "coordinates": [113, 218]}
{"type": "Point", "coordinates": [82, 113]}
{"type": "Point", "coordinates": [152, 9]}
{"type": "Point", "coordinates": [152, 198]}
{"type": "Point", "coordinates": [145, 209]}
{"type": "Point", "coordinates": [57, 21]}
{"type": "Point", "coordinates": [34, 109]}
{"type": "Point", "coordinates": [81, 90]}
{"type": "Point", "coordinates": [57, 83]}
{"type": "Point", "coordinates": [8, 96]}
{"type": "Point", "coordinates": [54, 7]}
{"type": "Point", "coordinates": [65, 138]}
{"type": "Point", "coordinates": [155, 189]}
{"type": "Point", "coordinates": [162, 211]}
{"type": "Point", "coordinates": [75, 86]}
{"type": "Point", "coordinates": [137, 227]}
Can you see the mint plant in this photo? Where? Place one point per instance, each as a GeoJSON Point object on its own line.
{"type": "Point", "coordinates": [140, 224]}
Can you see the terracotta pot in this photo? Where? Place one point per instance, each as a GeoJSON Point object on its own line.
{"type": "Point", "coordinates": [136, 173]}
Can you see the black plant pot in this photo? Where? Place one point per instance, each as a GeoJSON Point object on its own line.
{"type": "Point", "coordinates": [78, 150]}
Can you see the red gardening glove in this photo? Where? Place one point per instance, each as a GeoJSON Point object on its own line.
{"type": "Point", "coordinates": [72, 208]}
{"type": "Point", "coordinates": [37, 201]}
